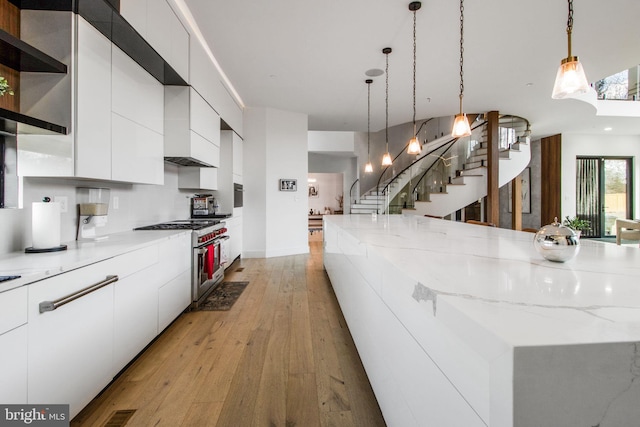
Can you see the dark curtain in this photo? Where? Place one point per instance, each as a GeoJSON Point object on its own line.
{"type": "Point", "coordinates": [587, 197]}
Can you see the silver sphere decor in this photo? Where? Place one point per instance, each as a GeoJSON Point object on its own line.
{"type": "Point", "coordinates": [557, 243]}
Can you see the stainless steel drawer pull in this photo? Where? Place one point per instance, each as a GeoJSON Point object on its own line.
{"type": "Point", "coordinates": [52, 305]}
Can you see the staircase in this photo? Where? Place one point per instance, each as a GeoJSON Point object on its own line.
{"type": "Point", "coordinates": [467, 186]}
{"type": "Point", "coordinates": [470, 184]}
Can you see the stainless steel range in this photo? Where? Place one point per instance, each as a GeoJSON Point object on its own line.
{"type": "Point", "coordinates": [207, 238]}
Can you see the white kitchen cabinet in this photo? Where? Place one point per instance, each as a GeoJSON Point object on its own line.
{"type": "Point", "coordinates": [191, 127]}
{"type": "Point", "coordinates": [173, 298]}
{"type": "Point", "coordinates": [135, 314]}
{"type": "Point", "coordinates": [208, 82]}
{"type": "Point", "coordinates": [71, 348]}
{"type": "Point", "coordinates": [234, 226]}
{"type": "Point", "coordinates": [157, 23]}
{"type": "Point", "coordinates": [196, 178]}
{"type": "Point", "coordinates": [174, 295]}
{"type": "Point", "coordinates": [136, 95]}
{"type": "Point", "coordinates": [102, 80]}
{"type": "Point", "coordinates": [237, 158]}
{"type": "Point", "coordinates": [13, 345]}
{"type": "Point", "coordinates": [93, 111]}
{"type": "Point", "coordinates": [13, 366]}
{"type": "Point", "coordinates": [135, 12]}
{"type": "Point", "coordinates": [137, 152]}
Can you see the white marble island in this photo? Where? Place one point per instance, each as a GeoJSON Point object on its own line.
{"type": "Point", "coordinates": [463, 325]}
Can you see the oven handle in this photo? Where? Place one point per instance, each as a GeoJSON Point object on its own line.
{"type": "Point", "coordinates": [52, 305]}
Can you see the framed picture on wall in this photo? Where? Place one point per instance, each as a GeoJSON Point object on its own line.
{"type": "Point", "coordinates": [288, 185]}
{"type": "Point", "coordinates": [313, 190]}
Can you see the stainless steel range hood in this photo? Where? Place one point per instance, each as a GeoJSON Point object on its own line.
{"type": "Point", "coordinates": [187, 161]}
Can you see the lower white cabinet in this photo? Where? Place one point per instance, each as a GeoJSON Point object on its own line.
{"type": "Point", "coordinates": [13, 366]}
{"type": "Point", "coordinates": [234, 225]}
{"type": "Point", "coordinates": [63, 339]}
{"type": "Point", "coordinates": [71, 345]}
{"type": "Point", "coordinates": [135, 316]}
{"type": "Point", "coordinates": [13, 346]}
{"type": "Point", "coordinates": [70, 349]}
{"type": "Point", "coordinates": [173, 298]}
{"type": "Point", "coordinates": [174, 294]}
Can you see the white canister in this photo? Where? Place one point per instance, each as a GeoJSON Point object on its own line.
{"type": "Point", "coordinates": [45, 225]}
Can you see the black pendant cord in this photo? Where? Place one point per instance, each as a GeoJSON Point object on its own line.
{"type": "Point", "coordinates": [461, 52]}
{"type": "Point", "coordinates": [414, 72]}
{"type": "Point", "coordinates": [368, 81]}
{"type": "Point", "coordinates": [569, 27]}
{"type": "Point", "coordinates": [386, 97]}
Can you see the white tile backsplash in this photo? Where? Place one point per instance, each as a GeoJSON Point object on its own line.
{"type": "Point", "coordinates": [138, 204]}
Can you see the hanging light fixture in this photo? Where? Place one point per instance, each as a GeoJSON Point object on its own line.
{"type": "Point", "coordinates": [570, 79]}
{"type": "Point", "coordinates": [414, 145]}
{"type": "Point", "coordinates": [386, 159]}
{"type": "Point", "coordinates": [368, 168]}
{"type": "Point", "coordinates": [461, 123]}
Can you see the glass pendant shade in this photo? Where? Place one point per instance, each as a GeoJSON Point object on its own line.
{"type": "Point", "coordinates": [461, 126]}
{"type": "Point", "coordinates": [368, 168]}
{"type": "Point", "coordinates": [570, 79]}
{"type": "Point", "coordinates": [386, 159]}
{"type": "Point", "coordinates": [414, 146]}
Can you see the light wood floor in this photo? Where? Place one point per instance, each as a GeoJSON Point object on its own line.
{"type": "Point", "coordinates": [282, 356]}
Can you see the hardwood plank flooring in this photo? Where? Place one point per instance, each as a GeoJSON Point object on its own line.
{"type": "Point", "coordinates": [282, 356]}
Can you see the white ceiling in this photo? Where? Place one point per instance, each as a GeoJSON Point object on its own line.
{"type": "Point", "coordinates": [311, 57]}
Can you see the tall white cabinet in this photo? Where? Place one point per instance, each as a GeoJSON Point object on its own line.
{"type": "Point", "coordinates": [115, 108]}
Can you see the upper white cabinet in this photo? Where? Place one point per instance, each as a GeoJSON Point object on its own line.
{"type": "Point", "coordinates": [196, 178]}
{"type": "Point", "coordinates": [116, 109]}
{"type": "Point", "coordinates": [156, 22]}
{"type": "Point", "coordinates": [237, 159]}
{"type": "Point", "coordinates": [136, 94]}
{"type": "Point", "coordinates": [191, 128]}
{"type": "Point", "coordinates": [93, 110]}
{"type": "Point", "coordinates": [206, 79]}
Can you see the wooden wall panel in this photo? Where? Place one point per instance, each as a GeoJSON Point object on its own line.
{"type": "Point", "coordinates": [493, 162]}
{"type": "Point", "coordinates": [551, 185]}
{"type": "Point", "coordinates": [10, 22]}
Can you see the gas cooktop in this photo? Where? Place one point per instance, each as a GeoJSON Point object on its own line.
{"type": "Point", "coordinates": [186, 224]}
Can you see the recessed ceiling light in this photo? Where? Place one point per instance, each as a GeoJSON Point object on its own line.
{"type": "Point", "coordinates": [374, 72]}
{"type": "Point", "coordinates": [608, 129]}
{"type": "Point", "coordinates": [529, 84]}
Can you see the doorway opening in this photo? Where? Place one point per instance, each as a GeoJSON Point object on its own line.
{"type": "Point", "coordinates": [604, 193]}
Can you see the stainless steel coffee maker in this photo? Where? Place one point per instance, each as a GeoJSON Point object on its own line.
{"type": "Point", "coordinates": [203, 205]}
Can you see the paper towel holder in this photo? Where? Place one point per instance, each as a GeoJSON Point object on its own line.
{"type": "Point", "coordinates": [32, 250]}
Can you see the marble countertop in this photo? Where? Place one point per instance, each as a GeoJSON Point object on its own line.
{"type": "Point", "coordinates": [37, 266]}
{"type": "Point", "coordinates": [500, 288]}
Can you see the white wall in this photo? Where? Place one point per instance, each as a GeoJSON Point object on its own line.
{"type": "Point", "coordinates": [574, 145]}
{"type": "Point", "coordinates": [335, 142]}
{"type": "Point", "coordinates": [329, 186]}
{"type": "Point", "coordinates": [275, 147]}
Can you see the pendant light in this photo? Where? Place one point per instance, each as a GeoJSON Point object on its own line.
{"type": "Point", "coordinates": [386, 159]}
{"type": "Point", "coordinates": [414, 145]}
{"type": "Point", "coordinates": [461, 123]}
{"type": "Point", "coordinates": [368, 168]}
{"type": "Point", "coordinates": [570, 79]}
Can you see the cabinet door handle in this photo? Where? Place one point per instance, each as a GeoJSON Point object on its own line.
{"type": "Point", "coordinates": [52, 305]}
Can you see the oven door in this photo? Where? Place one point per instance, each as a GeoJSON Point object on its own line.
{"type": "Point", "coordinates": [206, 270]}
